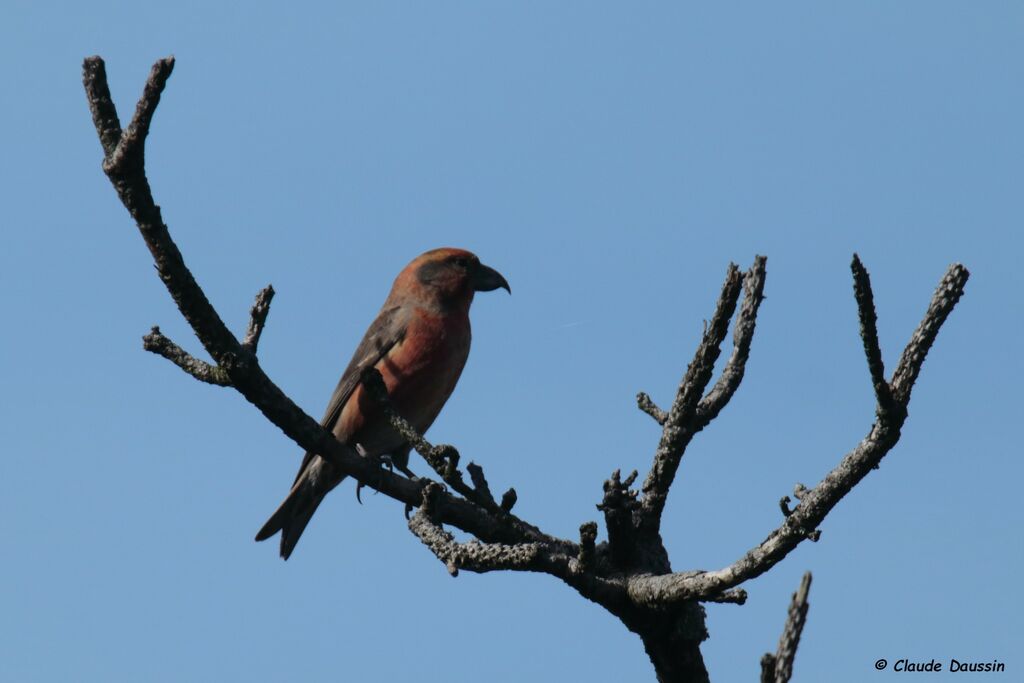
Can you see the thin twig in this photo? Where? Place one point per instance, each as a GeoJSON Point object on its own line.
{"type": "Point", "coordinates": [156, 342]}
{"type": "Point", "coordinates": [646, 404]}
{"type": "Point", "coordinates": [869, 332]}
{"type": "Point", "coordinates": [946, 296]}
{"type": "Point", "coordinates": [743, 335]}
{"type": "Point", "coordinates": [508, 500]}
{"type": "Point", "coordinates": [258, 318]}
{"type": "Point", "coordinates": [778, 668]}
{"type": "Point", "coordinates": [101, 105]}
{"type": "Point", "coordinates": [131, 148]}
{"type": "Point", "coordinates": [735, 596]}
{"type": "Point", "coordinates": [480, 485]}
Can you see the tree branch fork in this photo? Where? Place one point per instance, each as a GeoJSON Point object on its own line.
{"type": "Point", "coordinates": [629, 574]}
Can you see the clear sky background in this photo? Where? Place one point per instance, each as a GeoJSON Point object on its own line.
{"type": "Point", "coordinates": [610, 159]}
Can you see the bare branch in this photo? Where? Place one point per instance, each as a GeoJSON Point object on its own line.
{"type": "Point", "coordinates": [618, 505]}
{"type": "Point", "coordinates": [778, 668]}
{"type": "Point", "coordinates": [480, 485]}
{"type": "Point", "coordinates": [946, 296]}
{"type": "Point", "coordinates": [630, 575]}
{"type": "Point", "coordinates": [258, 318]}
{"type": "Point", "coordinates": [768, 668]}
{"type": "Point", "coordinates": [130, 151]}
{"type": "Point", "coordinates": [475, 556]}
{"type": "Point", "coordinates": [690, 412]}
{"type": "Point", "coordinates": [124, 166]}
{"type": "Point", "coordinates": [646, 404]}
{"type": "Point", "coordinates": [533, 556]}
{"type": "Point", "coordinates": [127, 174]}
{"type": "Point", "coordinates": [157, 343]}
{"type": "Point", "coordinates": [101, 106]}
{"type": "Point", "coordinates": [816, 503]}
{"type": "Point", "coordinates": [678, 429]}
{"type": "Point", "coordinates": [735, 596]}
{"type": "Point", "coordinates": [443, 459]}
{"type": "Point", "coordinates": [508, 500]}
{"type": "Point", "coordinates": [373, 382]}
{"type": "Point", "coordinates": [743, 334]}
{"type": "Point", "coordinates": [869, 332]}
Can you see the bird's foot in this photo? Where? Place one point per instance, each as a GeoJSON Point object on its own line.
{"type": "Point", "coordinates": [386, 461]}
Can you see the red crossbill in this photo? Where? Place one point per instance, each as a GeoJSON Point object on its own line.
{"type": "Point", "coordinates": [419, 342]}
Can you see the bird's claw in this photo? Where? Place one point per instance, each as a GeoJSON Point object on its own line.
{"type": "Point", "coordinates": [386, 460]}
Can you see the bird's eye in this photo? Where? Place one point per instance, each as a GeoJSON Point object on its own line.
{"type": "Point", "coordinates": [462, 262]}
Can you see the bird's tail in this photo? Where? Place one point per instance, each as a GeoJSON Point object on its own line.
{"type": "Point", "coordinates": [292, 516]}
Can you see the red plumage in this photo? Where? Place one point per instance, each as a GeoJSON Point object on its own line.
{"type": "Point", "coordinates": [419, 342]}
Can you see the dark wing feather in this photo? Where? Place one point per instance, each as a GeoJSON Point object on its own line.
{"type": "Point", "coordinates": [387, 330]}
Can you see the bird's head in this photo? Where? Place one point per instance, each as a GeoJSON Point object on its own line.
{"type": "Point", "coordinates": [449, 277]}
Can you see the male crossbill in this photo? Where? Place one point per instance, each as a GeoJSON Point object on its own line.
{"type": "Point", "coordinates": [419, 342]}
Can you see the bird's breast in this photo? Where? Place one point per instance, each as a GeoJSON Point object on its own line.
{"type": "Point", "coordinates": [423, 371]}
{"type": "Point", "coordinates": [420, 373]}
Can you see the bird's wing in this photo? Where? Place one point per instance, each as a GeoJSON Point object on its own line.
{"type": "Point", "coordinates": [384, 332]}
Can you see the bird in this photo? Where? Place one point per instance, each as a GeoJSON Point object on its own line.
{"type": "Point", "coordinates": [419, 342]}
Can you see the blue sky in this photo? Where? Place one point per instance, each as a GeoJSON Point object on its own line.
{"type": "Point", "coordinates": [610, 160]}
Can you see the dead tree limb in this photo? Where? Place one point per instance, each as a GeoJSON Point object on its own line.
{"type": "Point", "coordinates": [778, 667]}
{"type": "Point", "coordinates": [629, 574]}
{"type": "Point", "coordinates": [258, 318]}
{"type": "Point", "coordinates": [816, 503]}
{"type": "Point", "coordinates": [236, 365]}
{"type": "Point", "coordinates": [156, 342]}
